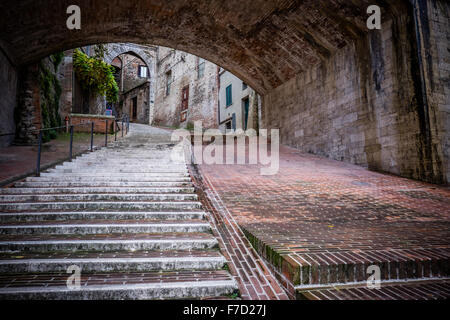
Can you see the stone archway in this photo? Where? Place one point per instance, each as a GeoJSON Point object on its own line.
{"type": "Point", "coordinates": [376, 98]}
{"type": "Point", "coordinates": [147, 54]}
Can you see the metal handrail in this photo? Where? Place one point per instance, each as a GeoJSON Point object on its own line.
{"type": "Point", "coordinates": [125, 120]}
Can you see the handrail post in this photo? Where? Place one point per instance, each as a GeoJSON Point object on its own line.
{"type": "Point", "coordinates": [128, 124]}
{"type": "Point", "coordinates": [115, 129]}
{"type": "Point", "coordinates": [71, 143]}
{"type": "Point", "coordinates": [92, 136]}
{"type": "Point", "coordinates": [106, 134]}
{"type": "Point", "coordinates": [122, 128]}
{"type": "Point", "coordinates": [38, 163]}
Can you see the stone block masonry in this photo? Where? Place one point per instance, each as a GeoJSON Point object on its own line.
{"type": "Point", "coordinates": [8, 88]}
{"type": "Point", "coordinates": [377, 98]}
{"type": "Point", "coordinates": [364, 104]}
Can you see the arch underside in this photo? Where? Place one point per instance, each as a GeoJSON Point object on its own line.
{"type": "Point", "coordinates": [117, 49]}
{"type": "Point", "coordinates": [266, 43]}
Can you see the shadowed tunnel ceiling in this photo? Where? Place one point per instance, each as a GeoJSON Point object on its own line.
{"type": "Point", "coordinates": [265, 43]}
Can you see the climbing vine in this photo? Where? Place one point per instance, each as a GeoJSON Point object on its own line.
{"type": "Point", "coordinates": [50, 96]}
{"type": "Point", "coordinates": [95, 75]}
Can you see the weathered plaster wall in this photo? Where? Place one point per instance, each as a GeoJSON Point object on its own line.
{"type": "Point", "coordinates": [8, 90]}
{"type": "Point", "coordinates": [203, 92]}
{"type": "Point", "coordinates": [237, 105]}
{"type": "Point", "coordinates": [363, 105]}
{"type": "Point", "coordinates": [141, 93]}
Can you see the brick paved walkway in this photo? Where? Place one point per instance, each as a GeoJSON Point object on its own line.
{"type": "Point", "coordinates": [320, 221]}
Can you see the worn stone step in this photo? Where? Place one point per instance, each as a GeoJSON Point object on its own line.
{"type": "Point", "coordinates": [436, 289]}
{"type": "Point", "coordinates": [106, 242]}
{"type": "Point", "coordinates": [120, 215]}
{"type": "Point", "coordinates": [123, 164]}
{"type": "Point", "coordinates": [161, 171]}
{"type": "Point", "coordinates": [96, 184]}
{"type": "Point", "coordinates": [96, 190]}
{"type": "Point", "coordinates": [106, 158]}
{"type": "Point", "coordinates": [116, 262]}
{"type": "Point", "coordinates": [106, 174]}
{"type": "Point", "coordinates": [104, 228]}
{"type": "Point", "coordinates": [119, 286]}
{"type": "Point", "coordinates": [99, 205]}
{"type": "Point", "coordinates": [99, 197]}
{"type": "Point", "coordinates": [110, 179]}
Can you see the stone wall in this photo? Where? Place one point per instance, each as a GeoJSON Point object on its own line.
{"type": "Point", "coordinates": [141, 94]}
{"type": "Point", "coordinates": [130, 73]}
{"type": "Point", "coordinates": [38, 104]}
{"type": "Point", "coordinates": [8, 88]}
{"type": "Point", "coordinates": [436, 54]}
{"type": "Point", "coordinates": [363, 105]}
{"type": "Point", "coordinates": [203, 91]}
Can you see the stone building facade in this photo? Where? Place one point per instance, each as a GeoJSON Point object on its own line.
{"type": "Point", "coordinates": [133, 79]}
{"type": "Point", "coordinates": [136, 76]}
{"type": "Point", "coordinates": [186, 90]}
{"type": "Point", "coordinates": [238, 103]}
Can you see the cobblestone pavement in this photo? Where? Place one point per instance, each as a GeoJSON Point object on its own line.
{"type": "Point", "coordinates": [321, 222]}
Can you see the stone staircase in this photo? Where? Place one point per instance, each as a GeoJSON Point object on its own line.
{"type": "Point", "coordinates": [127, 215]}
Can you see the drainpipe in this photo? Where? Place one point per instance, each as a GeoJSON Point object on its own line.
{"type": "Point", "coordinates": [417, 21]}
{"type": "Point", "coordinates": [427, 150]}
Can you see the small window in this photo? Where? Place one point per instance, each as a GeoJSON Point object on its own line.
{"type": "Point", "coordinates": [168, 82]}
{"type": "Point", "coordinates": [244, 86]}
{"type": "Point", "coordinates": [229, 96]}
{"type": "Point", "coordinates": [200, 67]}
{"type": "Point", "coordinates": [143, 71]}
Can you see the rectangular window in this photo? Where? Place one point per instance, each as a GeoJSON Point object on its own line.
{"type": "Point", "coordinates": [200, 67]}
{"type": "Point", "coordinates": [168, 82]}
{"type": "Point", "coordinates": [143, 71]}
{"type": "Point", "coordinates": [229, 96]}
{"type": "Point", "coordinates": [185, 98]}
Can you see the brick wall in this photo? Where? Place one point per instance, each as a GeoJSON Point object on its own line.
{"type": "Point", "coordinates": [8, 87]}
{"type": "Point", "coordinates": [99, 123]}
{"type": "Point", "coordinates": [362, 105]}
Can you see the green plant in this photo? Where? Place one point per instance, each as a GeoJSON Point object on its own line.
{"type": "Point", "coordinates": [57, 59]}
{"type": "Point", "coordinates": [95, 75]}
{"type": "Point", "coordinates": [190, 126]}
{"type": "Point", "coordinates": [50, 96]}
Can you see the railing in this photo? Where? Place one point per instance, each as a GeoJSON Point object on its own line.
{"type": "Point", "coordinates": [125, 124]}
{"type": "Point", "coordinates": [124, 128]}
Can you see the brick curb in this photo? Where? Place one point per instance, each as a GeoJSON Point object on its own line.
{"type": "Point", "coordinates": [256, 281]}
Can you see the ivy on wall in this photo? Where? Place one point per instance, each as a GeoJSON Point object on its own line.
{"type": "Point", "coordinates": [95, 75]}
{"type": "Point", "coordinates": [50, 96]}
